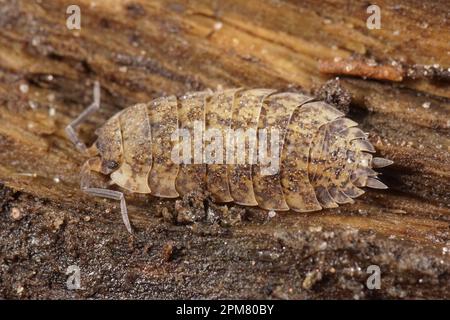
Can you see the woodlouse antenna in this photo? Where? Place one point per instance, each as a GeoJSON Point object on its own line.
{"type": "Point", "coordinates": [114, 195]}
{"type": "Point", "coordinates": [70, 129]}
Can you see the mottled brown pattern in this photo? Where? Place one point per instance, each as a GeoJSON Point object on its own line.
{"type": "Point", "coordinates": [323, 156]}
{"type": "Point", "coordinates": [191, 108]}
{"type": "Point", "coordinates": [333, 157]}
{"type": "Point", "coordinates": [218, 115]}
{"type": "Point", "coordinates": [297, 189]}
{"type": "Point", "coordinates": [137, 150]}
{"type": "Point", "coordinates": [245, 115]}
{"type": "Point", "coordinates": [276, 113]}
{"type": "Point", "coordinates": [331, 177]}
{"type": "Point", "coordinates": [362, 163]}
{"type": "Point", "coordinates": [109, 145]}
{"type": "Point", "coordinates": [337, 173]}
{"type": "Point", "coordinates": [164, 121]}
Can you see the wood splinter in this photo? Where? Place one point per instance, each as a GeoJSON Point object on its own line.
{"type": "Point", "coordinates": [361, 68]}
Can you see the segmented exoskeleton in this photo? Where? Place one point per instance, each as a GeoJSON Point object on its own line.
{"type": "Point", "coordinates": [324, 158]}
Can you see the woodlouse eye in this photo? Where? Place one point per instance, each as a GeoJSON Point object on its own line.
{"type": "Point", "coordinates": [112, 164]}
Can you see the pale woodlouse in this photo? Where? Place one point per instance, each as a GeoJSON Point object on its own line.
{"type": "Point", "coordinates": [324, 158]}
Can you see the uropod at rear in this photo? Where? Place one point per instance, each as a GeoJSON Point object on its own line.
{"type": "Point", "coordinates": [254, 147]}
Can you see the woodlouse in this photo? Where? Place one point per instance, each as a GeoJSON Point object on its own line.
{"type": "Point", "coordinates": [324, 158]}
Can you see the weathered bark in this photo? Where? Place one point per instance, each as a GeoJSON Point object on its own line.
{"type": "Point", "coordinates": [144, 49]}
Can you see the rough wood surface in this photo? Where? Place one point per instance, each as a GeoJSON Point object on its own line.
{"type": "Point", "coordinates": [140, 50]}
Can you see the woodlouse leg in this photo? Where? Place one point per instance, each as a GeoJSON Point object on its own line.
{"type": "Point", "coordinates": [115, 195]}
{"type": "Point", "coordinates": [70, 129]}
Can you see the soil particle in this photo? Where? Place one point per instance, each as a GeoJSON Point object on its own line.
{"type": "Point", "coordinates": [434, 72]}
{"type": "Point", "coordinates": [192, 207]}
{"type": "Point", "coordinates": [201, 229]}
{"type": "Point", "coordinates": [147, 248]}
{"type": "Point", "coordinates": [311, 279]}
{"type": "Point", "coordinates": [16, 214]}
{"type": "Point", "coordinates": [224, 216]}
{"type": "Point", "coordinates": [197, 206]}
{"type": "Point", "coordinates": [170, 251]}
{"type": "Point", "coordinates": [57, 223]}
{"type": "Point", "coordinates": [333, 93]}
{"type": "Point", "coordinates": [167, 215]}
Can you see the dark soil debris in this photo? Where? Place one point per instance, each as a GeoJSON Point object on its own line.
{"type": "Point", "coordinates": [113, 265]}
{"type": "Point", "coordinates": [197, 206]}
{"type": "Point", "coordinates": [333, 93]}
